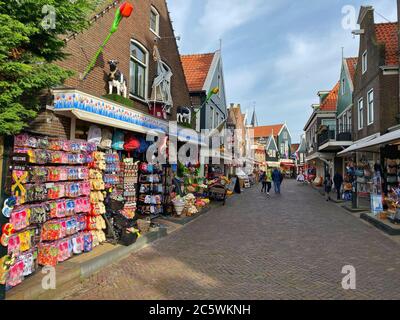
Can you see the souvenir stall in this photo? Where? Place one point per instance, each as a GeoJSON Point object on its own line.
{"type": "Point", "coordinates": [195, 191]}
{"type": "Point", "coordinates": [390, 172]}
{"type": "Point", "coordinates": [69, 196]}
{"type": "Point", "coordinates": [55, 208]}
{"type": "Point", "coordinates": [349, 179]}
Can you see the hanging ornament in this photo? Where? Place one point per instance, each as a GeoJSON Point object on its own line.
{"type": "Point", "coordinates": [124, 11]}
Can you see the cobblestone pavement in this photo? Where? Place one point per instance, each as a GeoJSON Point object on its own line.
{"type": "Point", "coordinates": [292, 246]}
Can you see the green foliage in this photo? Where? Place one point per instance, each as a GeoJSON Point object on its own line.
{"type": "Point", "coordinates": [119, 99]}
{"type": "Point", "coordinates": [28, 52]}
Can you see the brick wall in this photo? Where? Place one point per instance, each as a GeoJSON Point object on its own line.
{"type": "Point", "coordinates": [137, 27]}
{"type": "Point", "coordinates": [386, 87]}
{"type": "Point", "coordinates": [48, 123]}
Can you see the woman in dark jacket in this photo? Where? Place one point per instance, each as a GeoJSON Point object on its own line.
{"type": "Point", "coordinates": [328, 186]}
{"type": "Point", "coordinates": [338, 180]}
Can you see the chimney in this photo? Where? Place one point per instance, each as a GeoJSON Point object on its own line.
{"type": "Point", "coordinates": [366, 13]}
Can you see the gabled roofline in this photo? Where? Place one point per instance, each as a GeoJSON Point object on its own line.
{"type": "Point", "coordinates": [348, 75]}
{"type": "Point", "coordinates": [285, 126]}
{"type": "Point", "coordinates": [271, 137]}
{"type": "Point", "coordinates": [211, 71]}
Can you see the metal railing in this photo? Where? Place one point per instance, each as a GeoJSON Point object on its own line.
{"type": "Point", "coordinates": [335, 133]}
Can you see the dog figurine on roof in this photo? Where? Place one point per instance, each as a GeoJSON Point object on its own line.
{"type": "Point", "coordinates": [116, 79]}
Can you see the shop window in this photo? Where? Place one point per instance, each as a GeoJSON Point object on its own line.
{"type": "Point", "coordinates": [138, 70]}
{"type": "Point", "coordinates": [360, 114]}
{"type": "Point", "coordinates": [370, 107]}
{"type": "Point", "coordinates": [155, 21]}
{"type": "Point", "coordinates": [365, 62]}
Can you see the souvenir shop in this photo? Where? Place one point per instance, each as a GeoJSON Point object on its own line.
{"type": "Point", "coordinates": [66, 197]}
{"type": "Point", "coordinates": [375, 176]}
{"type": "Point", "coordinates": [69, 196]}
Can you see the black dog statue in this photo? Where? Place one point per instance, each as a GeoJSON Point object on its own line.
{"type": "Point", "coordinates": [116, 79]}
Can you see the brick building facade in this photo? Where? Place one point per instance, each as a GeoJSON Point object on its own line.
{"type": "Point", "coordinates": [376, 80]}
{"type": "Point", "coordinates": [82, 47]}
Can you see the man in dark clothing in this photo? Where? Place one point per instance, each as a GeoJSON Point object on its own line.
{"type": "Point", "coordinates": [277, 178]}
{"type": "Point", "coordinates": [338, 181]}
{"type": "Point", "coordinates": [263, 182]}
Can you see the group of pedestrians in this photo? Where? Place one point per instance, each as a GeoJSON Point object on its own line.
{"type": "Point", "coordinates": [337, 183]}
{"type": "Point", "coordinates": [271, 176]}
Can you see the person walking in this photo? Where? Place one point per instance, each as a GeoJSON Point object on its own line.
{"type": "Point", "coordinates": [338, 181]}
{"type": "Point", "coordinates": [268, 180]}
{"type": "Point", "coordinates": [328, 186]}
{"type": "Point", "coordinates": [263, 182]}
{"type": "Point", "coordinates": [277, 178]}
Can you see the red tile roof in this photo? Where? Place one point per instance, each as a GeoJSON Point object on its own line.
{"type": "Point", "coordinates": [330, 102]}
{"type": "Point", "coordinates": [266, 131]}
{"type": "Point", "coordinates": [386, 33]}
{"type": "Point", "coordinates": [196, 68]}
{"type": "Point", "coordinates": [352, 64]}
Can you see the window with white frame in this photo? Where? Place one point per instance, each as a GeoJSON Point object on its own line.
{"type": "Point", "coordinates": [364, 62]}
{"type": "Point", "coordinates": [360, 114]}
{"type": "Point", "coordinates": [154, 21]}
{"type": "Point", "coordinates": [370, 107]}
{"type": "Point", "coordinates": [138, 70]}
{"type": "Point", "coordinates": [211, 116]}
{"type": "Point", "coordinates": [216, 120]}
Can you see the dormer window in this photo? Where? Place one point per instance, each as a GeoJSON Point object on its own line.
{"type": "Point", "coordinates": [155, 21]}
{"type": "Point", "coordinates": [365, 62]}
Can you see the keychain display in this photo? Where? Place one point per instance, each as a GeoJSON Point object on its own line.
{"type": "Point", "coordinates": [151, 190]}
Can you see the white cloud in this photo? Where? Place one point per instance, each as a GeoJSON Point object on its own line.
{"type": "Point", "coordinates": [223, 16]}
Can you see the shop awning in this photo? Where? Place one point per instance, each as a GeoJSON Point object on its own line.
{"type": "Point", "coordinates": [391, 137]}
{"type": "Point", "coordinates": [360, 144]}
{"type": "Point", "coordinates": [108, 113]}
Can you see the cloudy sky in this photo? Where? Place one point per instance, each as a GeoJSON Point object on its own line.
{"type": "Point", "coordinates": [276, 54]}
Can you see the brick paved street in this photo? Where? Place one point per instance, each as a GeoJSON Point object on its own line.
{"type": "Point", "coordinates": [288, 247]}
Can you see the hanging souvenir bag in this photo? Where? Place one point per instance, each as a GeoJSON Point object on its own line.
{"type": "Point", "coordinates": [118, 140]}
{"type": "Point", "coordinates": [77, 244]}
{"type": "Point", "coordinates": [94, 135]}
{"type": "Point", "coordinates": [43, 143]}
{"type": "Point", "coordinates": [106, 139]}
{"type": "Point", "coordinates": [38, 214]}
{"type": "Point", "coordinates": [82, 222]}
{"type": "Point", "coordinates": [15, 274]}
{"type": "Point", "coordinates": [39, 174]}
{"type": "Point", "coordinates": [55, 145]}
{"type": "Point", "coordinates": [20, 218]}
{"type": "Point", "coordinates": [83, 173]}
{"type": "Point", "coordinates": [75, 146]}
{"type": "Point", "coordinates": [66, 146]}
{"type": "Point", "coordinates": [14, 245]}
{"type": "Point", "coordinates": [63, 252]}
{"type": "Point", "coordinates": [70, 208]}
{"type": "Point", "coordinates": [71, 226]}
{"type": "Point", "coordinates": [87, 242]}
{"type": "Point", "coordinates": [21, 140]}
{"type": "Point", "coordinates": [52, 230]}
{"type": "Point", "coordinates": [29, 263]}
{"type": "Point", "coordinates": [132, 143]}
{"type": "Point", "coordinates": [47, 255]}
{"type": "Point", "coordinates": [91, 147]}
{"type": "Point", "coordinates": [41, 156]}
